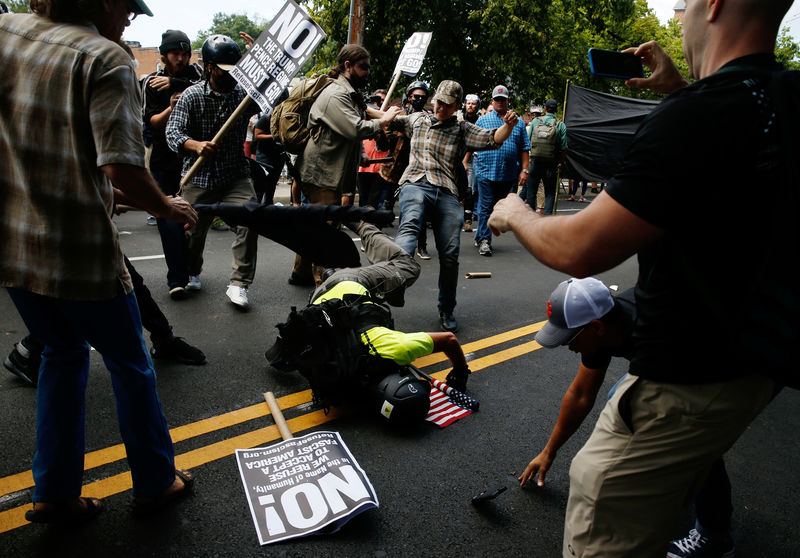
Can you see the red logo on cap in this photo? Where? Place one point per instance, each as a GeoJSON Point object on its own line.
{"type": "Point", "coordinates": [549, 309]}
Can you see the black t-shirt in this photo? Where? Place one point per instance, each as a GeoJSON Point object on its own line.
{"type": "Point", "coordinates": [162, 157]}
{"type": "Point", "coordinates": [699, 168]}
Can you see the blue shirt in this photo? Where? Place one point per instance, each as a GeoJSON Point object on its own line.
{"type": "Point", "coordinates": [501, 164]}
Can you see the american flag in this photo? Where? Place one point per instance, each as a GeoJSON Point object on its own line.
{"type": "Point", "coordinates": [448, 405]}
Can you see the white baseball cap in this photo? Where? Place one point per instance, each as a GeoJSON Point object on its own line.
{"type": "Point", "coordinates": [572, 305]}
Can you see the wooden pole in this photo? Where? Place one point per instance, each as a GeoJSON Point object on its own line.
{"type": "Point", "coordinates": [388, 98]}
{"type": "Point", "coordinates": [217, 138]}
{"type": "Point", "coordinates": [283, 428]}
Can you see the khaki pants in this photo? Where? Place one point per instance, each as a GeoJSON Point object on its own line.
{"type": "Point", "coordinates": [650, 452]}
{"type": "Point", "coordinates": [245, 242]}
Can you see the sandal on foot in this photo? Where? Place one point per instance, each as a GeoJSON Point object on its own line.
{"type": "Point", "coordinates": [67, 513]}
{"type": "Point", "coordinates": [147, 506]}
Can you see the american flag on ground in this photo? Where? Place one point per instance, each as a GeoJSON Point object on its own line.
{"type": "Point", "coordinates": [448, 405]}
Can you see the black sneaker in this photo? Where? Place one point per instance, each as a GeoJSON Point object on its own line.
{"type": "Point", "coordinates": [422, 252]}
{"type": "Point", "coordinates": [695, 545]}
{"type": "Point", "coordinates": [26, 368]}
{"type": "Point", "coordinates": [178, 350]}
{"type": "Point", "coordinates": [448, 322]}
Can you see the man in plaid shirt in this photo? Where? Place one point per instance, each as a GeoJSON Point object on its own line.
{"type": "Point", "coordinates": [428, 186]}
{"type": "Point", "coordinates": [225, 177]}
{"type": "Point", "coordinates": [498, 172]}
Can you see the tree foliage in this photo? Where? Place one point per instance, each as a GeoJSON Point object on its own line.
{"type": "Point", "coordinates": [230, 25]}
{"type": "Point", "coordinates": [17, 6]}
{"type": "Point", "coordinates": [534, 47]}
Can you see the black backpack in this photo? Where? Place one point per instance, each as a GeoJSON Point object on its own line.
{"type": "Point", "coordinates": [322, 341]}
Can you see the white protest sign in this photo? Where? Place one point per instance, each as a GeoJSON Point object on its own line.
{"type": "Point", "coordinates": [303, 485]}
{"type": "Point", "coordinates": [410, 60]}
{"type": "Point", "coordinates": [276, 56]}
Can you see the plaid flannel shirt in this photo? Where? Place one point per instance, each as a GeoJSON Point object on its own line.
{"type": "Point", "coordinates": [199, 114]}
{"type": "Point", "coordinates": [71, 105]}
{"type": "Point", "coordinates": [501, 164]}
{"type": "Point", "coordinates": [437, 147]}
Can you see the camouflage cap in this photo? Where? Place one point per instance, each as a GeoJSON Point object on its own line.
{"type": "Point", "coordinates": [449, 92]}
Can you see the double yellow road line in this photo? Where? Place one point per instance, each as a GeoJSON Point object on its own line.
{"type": "Point", "coordinates": [116, 484]}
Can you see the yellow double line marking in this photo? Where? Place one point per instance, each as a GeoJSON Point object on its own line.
{"type": "Point", "coordinates": [109, 486]}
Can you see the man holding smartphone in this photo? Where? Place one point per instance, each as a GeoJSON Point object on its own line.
{"type": "Point", "coordinates": [682, 405]}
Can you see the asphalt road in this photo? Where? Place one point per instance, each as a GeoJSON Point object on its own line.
{"type": "Point", "coordinates": [424, 477]}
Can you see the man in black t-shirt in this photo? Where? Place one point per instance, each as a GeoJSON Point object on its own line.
{"type": "Point", "coordinates": [161, 91]}
{"type": "Point", "coordinates": [705, 280]}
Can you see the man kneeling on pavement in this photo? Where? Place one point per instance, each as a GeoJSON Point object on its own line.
{"type": "Point", "coordinates": [345, 344]}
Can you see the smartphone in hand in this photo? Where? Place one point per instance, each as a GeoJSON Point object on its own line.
{"type": "Point", "coordinates": [614, 64]}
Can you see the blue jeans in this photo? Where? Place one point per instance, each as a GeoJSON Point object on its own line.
{"type": "Point", "coordinates": [113, 327]}
{"type": "Point", "coordinates": [173, 237]}
{"type": "Point", "coordinates": [489, 192]}
{"type": "Point", "coordinates": [421, 202]}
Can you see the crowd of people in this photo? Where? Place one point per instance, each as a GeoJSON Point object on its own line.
{"type": "Point", "coordinates": [451, 166]}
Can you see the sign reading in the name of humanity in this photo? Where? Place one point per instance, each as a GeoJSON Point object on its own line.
{"type": "Point", "coordinates": [276, 56]}
{"type": "Point", "coordinates": [410, 60]}
{"type": "Point", "coordinates": [303, 485]}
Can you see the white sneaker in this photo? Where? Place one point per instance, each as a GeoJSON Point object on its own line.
{"type": "Point", "coordinates": [194, 283]}
{"type": "Point", "coordinates": [238, 296]}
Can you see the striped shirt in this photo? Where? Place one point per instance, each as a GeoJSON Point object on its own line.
{"type": "Point", "coordinates": [71, 104]}
{"type": "Point", "coordinates": [501, 164]}
{"type": "Point", "coordinates": [199, 114]}
{"type": "Point", "coordinates": [437, 147]}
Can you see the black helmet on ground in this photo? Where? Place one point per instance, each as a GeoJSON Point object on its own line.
{"type": "Point", "coordinates": [403, 398]}
{"type": "Point", "coordinates": [222, 51]}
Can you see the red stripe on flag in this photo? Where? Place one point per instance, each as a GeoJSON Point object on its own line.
{"type": "Point", "coordinates": [443, 411]}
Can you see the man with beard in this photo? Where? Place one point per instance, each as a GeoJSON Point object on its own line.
{"type": "Point", "coordinates": [225, 177]}
{"type": "Point", "coordinates": [328, 168]}
{"type": "Point", "coordinates": [161, 91]}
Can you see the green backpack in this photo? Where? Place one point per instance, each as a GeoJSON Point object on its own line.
{"type": "Point", "coordinates": [544, 139]}
{"type": "Point", "coordinates": [289, 121]}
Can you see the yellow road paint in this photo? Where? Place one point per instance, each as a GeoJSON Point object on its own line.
{"type": "Point", "coordinates": [116, 484]}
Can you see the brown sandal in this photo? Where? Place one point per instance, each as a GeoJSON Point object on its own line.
{"type": "Point", "coordinates": [147, 506]}
{"type": "Point", "coordinates": [66, 513]}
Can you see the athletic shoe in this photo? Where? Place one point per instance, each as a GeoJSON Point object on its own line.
{"type": "Point", "coordinates": [485, 249]}
{"type": "Point", "coordinates": [695, 545]}
{"type": "Point", "coordinates": [177, 293]}
{"type": "Point", "coordinates": [194, 283]}
{"type": "Point", "coordinates": [179, 350]}
{"type": "Point", "coordinates": [238, 296]}
{"type": "Point", "coordinates": [151, 220]}
{"type": "Point", "coordinates": [423, 253]}
{"type": "Point", "coordinates": [23, 364]}
{"type": "Point", "coordinates": [219, 225]}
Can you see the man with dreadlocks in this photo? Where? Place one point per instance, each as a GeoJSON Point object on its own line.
{"type": "Point", "coordinates": [345, 343]}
